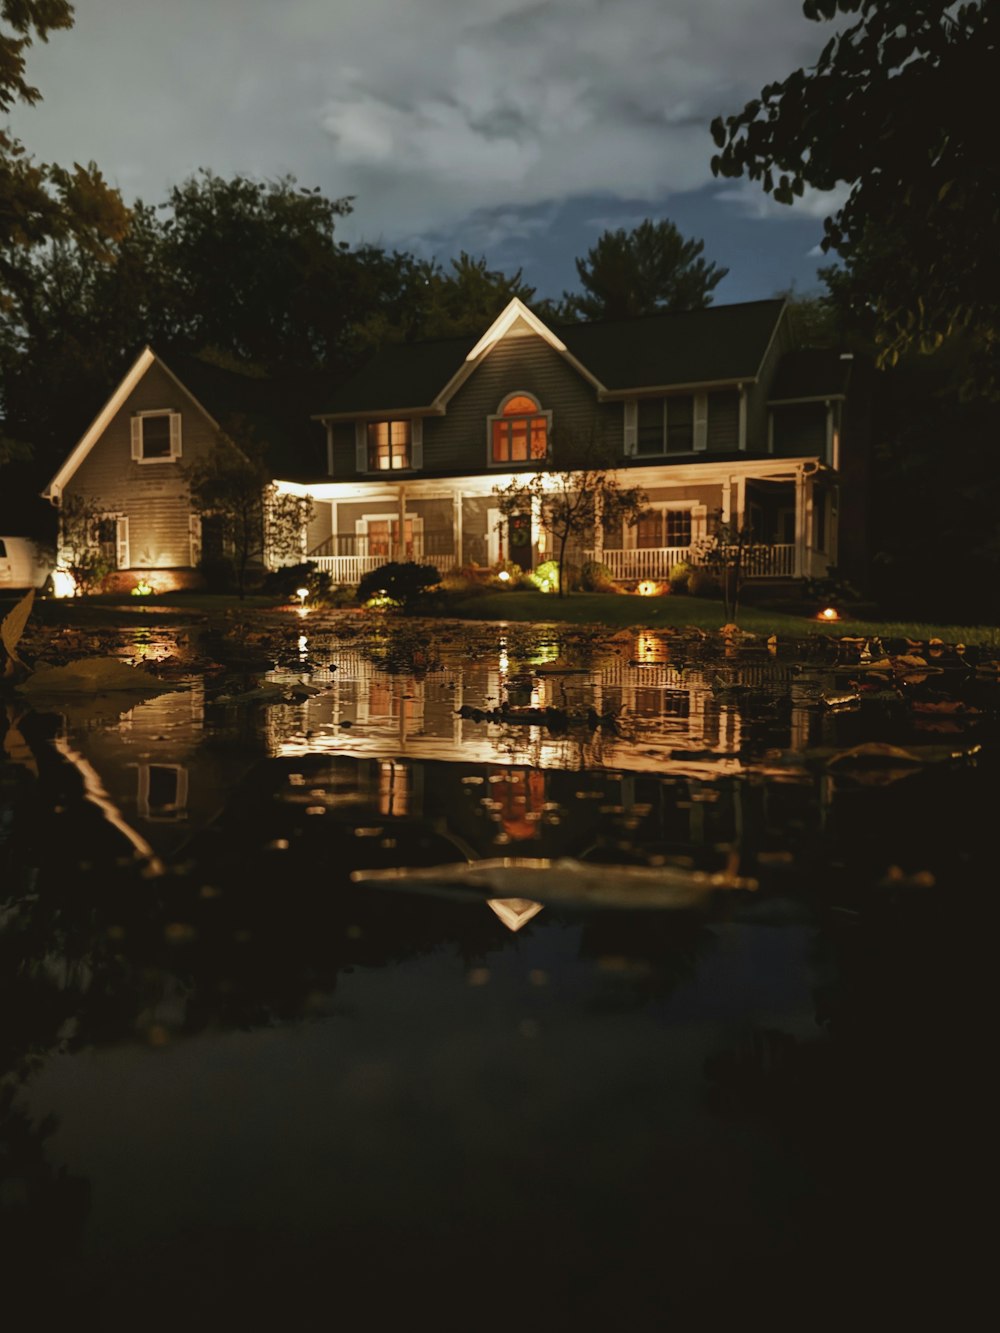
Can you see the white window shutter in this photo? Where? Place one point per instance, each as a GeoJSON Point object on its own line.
{"type": "Point", "coordinates": [417, 442]}
{"type": "Point", "coordinates": [121, 544]}
{"type": "Point", "coordinates": [137, 437]}
{"type": "Point", "coordinates": [700, 422]}
{"type": "Point", "coordinates": [175, 434]}
{"type": "Point", "coordinates": [631, 406]}
{"type": "Point", "coordinates": [361, 446]}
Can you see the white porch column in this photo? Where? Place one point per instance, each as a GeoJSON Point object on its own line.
{"type": "Point", "coordinates": [456, 501]}
{"type": "Point", "coordinates": [741, 501]}
{"type": "Point", "coordinates": [727, 499]}
{"type": "Point", "coordinates": [536, 529]}
{"type": "Point", "coordinates": [799, 559]}
{"type": "Point", "coordinates": [401, 549]}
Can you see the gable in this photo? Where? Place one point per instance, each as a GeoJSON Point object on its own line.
{"type": "Point", "coordinates": [148, 386]}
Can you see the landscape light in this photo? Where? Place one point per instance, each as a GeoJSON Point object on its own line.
{"type": "Point", "coordinates": [142, 589]}
{"type": "Point", "coordinates": [302, 593]}
{"type": "Point", "coordinates": [63, 583]}
{"type": "Point", "coordinates": [503, 576]}
{"type": "Point", "coordinates": [829, 613]}
{"type": "Point", "coordinates": [647, 588]}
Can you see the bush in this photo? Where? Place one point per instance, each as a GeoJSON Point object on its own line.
{"type": "Point", "coordinates": [679, 577]}
{"type": "Point", "coordinates": [286, 581]}
{"type": "Point", "coordinates": [405, 585]}
{"type": "Point", "coordinates": [546, 576]}
{"type": "Point", "coordinates": [597, 577]}
{"type": "Point", "coordinates": [703, 583]}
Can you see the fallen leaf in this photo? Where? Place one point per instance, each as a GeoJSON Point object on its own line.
{"type": "Point", "coordinates": [13, 623]}
{"type": "Point", "coordinates": [91, 675]}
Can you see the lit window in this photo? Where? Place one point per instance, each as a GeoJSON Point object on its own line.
{"type": "Point", "coordinates": [659, 528]}
{"type": "Point", "coordinates": [388, 445]}
{"type": "Point", "coordinates": [156, 437]}
{"type": "Point", "coordinates": [520, 432]}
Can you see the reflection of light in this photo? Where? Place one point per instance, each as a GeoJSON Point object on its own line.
{"type": "Point", "coordinates": [63, 583]}
{"type": "Point", "coordinates": [503, 576]}
{"type": "Point", "coordinates": [302, 612]}
{"type": "Point", "coordinates": [504, 661]}
{"type": "Point", "coordinates": [829, 613]}
{"type": "Point", "coordinates": [303, 643]}
{"type": "Point", "coordinates": [514, 912]}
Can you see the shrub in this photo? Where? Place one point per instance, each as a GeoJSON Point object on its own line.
{"type": "Point", "coordinates": [218, 573]}
{"type": "Point", "coordinates": [597, 577]}
{"type": "Point", "coordinates": [546, 576]}
{"type": "Point", "coordinates": [397, 584]}
{"type": "Point", "coordinates": [703, 583]}
{"type": "Point", "coordinates": [286, 581]}
{"type": "Point", "coordinates": [679, 577]}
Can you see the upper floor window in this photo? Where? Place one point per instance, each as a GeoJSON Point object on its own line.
{"type": "Point", "coordinates": [388, 446]}
{"type": "Point", "coordinates": [156, 437]}
{"type": "Point", "coordinates": [519, 431]}
{"type": "Point", "coordinates": [665, 425]}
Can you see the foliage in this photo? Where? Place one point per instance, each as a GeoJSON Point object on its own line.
{"type": "Point", "coordinates": [286, 581]}
{"type": "Point", "coordinates": [890, 111]}
{"type": "Point", "coordinates": [259, 524]}
{"type": "Point", "coordinates": [679, 577]}
{"type": "Point", "coordinates": [642, 272]}
{"type": "Point", "coordinates": [832, 590]}
{"type": "Point", "coordinates": [595, 576]}
{"type": "Point", "coordinates": [725, 554]}
{"type": "Point", "coordinates": [703, 583]}
{"type": "Point", "coordinates": [569, 500]}
{"type": "Point", "coordinates": [555, 576]}
{"type": "Point", "coordinates": [403, 584]}
{"type": "Point", "coordinates": [79, 549]}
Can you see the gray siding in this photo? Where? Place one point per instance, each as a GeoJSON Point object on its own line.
{"type": "Point", "coordinates": [153, 496]}
{"type": "Point", "coordinates": [758, 394]}
{"type": "Point", "coordinates": [800, 430]}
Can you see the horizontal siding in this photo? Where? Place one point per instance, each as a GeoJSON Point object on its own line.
{"type": "Point", "coordinates": [153, 496]}
{"type": "Point", "coordinates": [800, 428]}
{"type": "Point", "coordinates": [758, 394]}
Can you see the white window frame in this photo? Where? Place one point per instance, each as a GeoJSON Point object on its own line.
{"type": "Point", "coordinates": [139, 418]}
{"type": "Point", "coordinates": [416, 425]}
{"type": "Point", "coordinates": [498, 415]}
{"type": "Point", "coordinates": [123, 555]}
{"type": "Point", "coordinates": [699, 521]}
{"type": "Point", "coordinates": [699, 427]}
{"type": "Point", "coordinates": [178, 807]}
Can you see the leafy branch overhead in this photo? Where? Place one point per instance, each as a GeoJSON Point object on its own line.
{"type": "Point", "coordinates": [897, 110]}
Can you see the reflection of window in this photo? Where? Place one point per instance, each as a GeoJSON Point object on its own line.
{"type": "Point", "coordinates": [163, 790]}
{"type": "Point", "coordinates": [388, 445]}
{"type": "Point", "coordinates": [156, 437]}
{"type": "Point", "coordinates": [519, 793]}
{"type": "Point", "coordinates": [393, 789]}
{"type": "Point", "coordinates": [520, 431]}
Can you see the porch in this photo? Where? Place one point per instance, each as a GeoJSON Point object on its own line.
{"type": "Point", "coordinates": [655, 563]}
{"type": "Point", "coordinates": [348, 558]}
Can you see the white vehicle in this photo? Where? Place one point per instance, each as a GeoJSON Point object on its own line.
{"type": "Point", "coordinates": [23, 564]}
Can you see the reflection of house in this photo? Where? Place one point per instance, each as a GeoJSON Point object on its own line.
{"type": "Point", "coordinates": [709, 411]}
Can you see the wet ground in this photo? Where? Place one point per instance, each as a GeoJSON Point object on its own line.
{"type": "Point", "coordinates": [669, 1009]}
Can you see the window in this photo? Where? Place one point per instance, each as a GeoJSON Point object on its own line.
{"type": "Point", "coordinates": [163, 790]}
{"type": "Point", "coordinates": [664, 527]}
{"type": "Point", "coordinates": [665, 425]}
{"type": "Point", "coordinates": [388, 445]}
{"type": "Point", "coordinates": [379, 535]}
{"type": "Point", "coordinates": [110, 536]}
{"type": "Point", "coordinates": [156, 437]}
{"type": "Point", "coordinates": [519, 431]}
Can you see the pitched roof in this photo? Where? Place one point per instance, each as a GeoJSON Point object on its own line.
{"type": "Point", "coordinates": [810, 373]}
{"type": "Point", "coordinates": [718, 344]}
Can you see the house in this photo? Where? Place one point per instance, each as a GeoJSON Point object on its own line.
{"type": "Point", "coordinates": [711, 412]}
{"type": "Point", "coordinates": [129, 465]}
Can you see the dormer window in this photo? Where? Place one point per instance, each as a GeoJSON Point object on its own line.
{"type": "Point", "coordinates": [156, 437]}
{"type": "Point", "coordinates": [519, 433]}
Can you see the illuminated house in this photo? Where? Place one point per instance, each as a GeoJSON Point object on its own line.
{"type": "Point", "coordinates": [712, 412]}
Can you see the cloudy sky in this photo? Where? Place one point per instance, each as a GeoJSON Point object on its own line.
{"type": "Point", "coordinates": [518, 129]}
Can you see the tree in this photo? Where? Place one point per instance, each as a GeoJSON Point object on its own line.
{"type": "Point", "coordinates": [728, 552]}
{"type": "Point", "coordinates": [254, 520]}
{"type": "Point", "coordinates": [898, 109]}
{"type": "Point", "coordinates": [81, 551]}
{"type": "Point", "coordinates": [572, 500]}
{"type": "Point", "coordinates": [646, 271]}
{"type": "Point", "coordinates": [40, 204]}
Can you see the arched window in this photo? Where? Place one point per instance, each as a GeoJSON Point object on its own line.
{"type": "Point", "coordinates": [519, 431]}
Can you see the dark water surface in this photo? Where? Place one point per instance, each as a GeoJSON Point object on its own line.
{"type": "Point", "coordinates": [240, 1088]}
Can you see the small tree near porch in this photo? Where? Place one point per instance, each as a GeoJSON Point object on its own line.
{"type": "Point", "coordinates": [728, 553]}
{"type": "Point", "coordinates": [257, 522]}
{"type": "Point", "coordinates": [571, 501]}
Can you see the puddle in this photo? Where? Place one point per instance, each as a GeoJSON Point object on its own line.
{"type": "Point", "coordinates": [280, 983]}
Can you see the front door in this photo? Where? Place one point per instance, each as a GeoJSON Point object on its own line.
{"type": "Point", "coordinates": [519, 532]}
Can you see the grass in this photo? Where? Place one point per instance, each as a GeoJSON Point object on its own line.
{"type": "Point", "coordinates": [621, 610]}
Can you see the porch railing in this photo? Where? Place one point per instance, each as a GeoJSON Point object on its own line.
{"type": "Point", "coordinates": [656, 562]}
{"type": "Point", "coordinates": [349, 557]}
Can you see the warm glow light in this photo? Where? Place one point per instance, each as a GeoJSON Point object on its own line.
{"type": "Point", "coordinates": [647, 588]}
{"type": "Point", "coordinates": [302, 593]}
{"type": "Point", "coordinates": [829, 613]}
{"type": "Point", "coordinates": [142, 589]}
{"type": "Point", "coordinates": [503, 576]}
{"type": "Point", "coordinates": [63, 583]}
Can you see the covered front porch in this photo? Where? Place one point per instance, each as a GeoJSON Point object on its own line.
{"type": "Point", "coordinates": [789, 503]}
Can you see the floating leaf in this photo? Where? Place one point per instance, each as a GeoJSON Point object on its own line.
{"type": "Point", "coordinates": [91, 675]}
